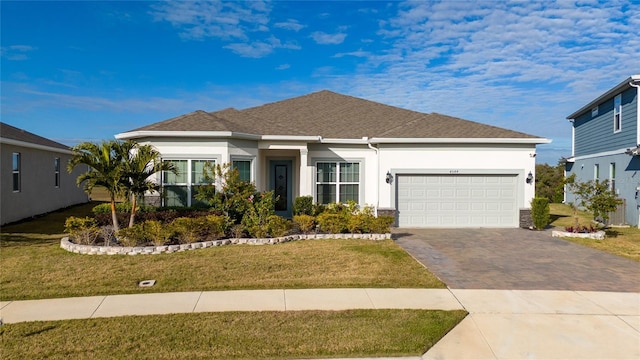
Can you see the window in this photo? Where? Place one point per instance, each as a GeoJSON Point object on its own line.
{"type": "Point", "coordinates": [16, 169]}
{"type": "Point", "coordinates": [617, 113]}
{"type": "Point", "coordinates": [56, 172]}
{"type": "Point", "coordinates": [337, 182]}
{"type": "Point", "coordinates": [594, 111]}
{"type": "Point", "coordinates": [180, 189]}
{"type": "Point", "coordinates": [596, 171]}
{"type": "Point", "coordinates": [612, 176]}
{"type": "Point", "coordinates": [244, 169]}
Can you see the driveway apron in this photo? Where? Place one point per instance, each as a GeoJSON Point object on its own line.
{"type": "Point", "coordinates": [517, 259]}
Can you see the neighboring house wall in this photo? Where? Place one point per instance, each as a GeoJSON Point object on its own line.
{"type": "Point", "coordinates": [627, 179]}
{"type": "Point", "coordinates": [597, 144]}
{"type": "Point", "coordinates": [38, 193]}
{"type": "Point", "coordinates": [595, 134]}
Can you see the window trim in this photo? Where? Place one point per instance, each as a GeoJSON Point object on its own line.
{"type": "Point", "coordinates": [16, 169]}
{"type": "Point", "coordinates": [360, 181]}
{"type": "Point", "coordinates": [189, 184]}
{"type": "Point", "coordinates": [617, 113]}
{"type": "Point", "coordinates": [596, 171]}
{"type": "Point", "coordinates": [251, 160]}
{"type": "Point", "coordinates": [612, 176]}
{"type": "Point", "coordinates": [56, 172]}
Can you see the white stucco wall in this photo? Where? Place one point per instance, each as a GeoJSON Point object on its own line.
{"type": "Point", "coordinates": [456, 159]}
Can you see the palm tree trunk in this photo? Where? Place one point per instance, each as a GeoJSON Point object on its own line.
{"type": "Point", "coordinates": [114, 217]}
{"type": "Point", "coordinates": [133, 210]}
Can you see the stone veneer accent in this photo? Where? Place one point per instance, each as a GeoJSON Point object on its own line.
{"type": "Point", "coordinates": [152, 250]}
{"type": "Point", "coordinates": [526, 221]}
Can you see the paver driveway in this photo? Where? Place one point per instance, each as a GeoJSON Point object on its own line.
{"type": "Point", "coordinates": [516, 259]}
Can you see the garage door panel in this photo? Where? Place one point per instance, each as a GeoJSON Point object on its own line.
{"type": "Point", "coordinates": [457, 201]}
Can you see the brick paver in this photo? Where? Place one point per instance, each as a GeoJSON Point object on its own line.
{"type": "Point", "coordinates": [517, 259]}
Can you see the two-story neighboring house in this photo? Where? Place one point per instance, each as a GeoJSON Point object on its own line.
{"type": "Point", "coordinates": [606, 144]}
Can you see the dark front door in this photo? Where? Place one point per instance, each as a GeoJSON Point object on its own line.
{"type": "Point", "coordinates": [280, 181]}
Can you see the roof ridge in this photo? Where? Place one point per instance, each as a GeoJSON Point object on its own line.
{"type": "Point", "coordinates": [15, 133]}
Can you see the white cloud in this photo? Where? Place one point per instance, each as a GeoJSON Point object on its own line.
{"type": "Point", "coordinates": [290, 24]}
{"type": "Point", "coordinates": [16, 52]}
{"type": "Point", "coordinates": [323, 38]}
{"type": "Point", "coordinates": [283, 67]}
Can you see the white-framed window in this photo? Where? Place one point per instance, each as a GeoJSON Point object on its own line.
{"type": "Point", "coordinates": [16, 171]}
{"type": "Point", "coordinates": [56, 172]}
{"type": "Point", "coordinates": [337, 181]}
{"type": "Point", "coordinates": [596, 171]}
{"type": "Point", "coordinates": [180, 189]}
{"type": "Point", "coordinates": [617, 113]}
{"type": "Point", "coordinates": [612, 176]}
{"type": "Point", "coordinates": [244, 168]}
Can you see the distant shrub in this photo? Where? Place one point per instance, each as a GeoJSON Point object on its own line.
{"type": "Point", "coordinates": [188, 229]}
{"type": "Point", "coordinates": [132, 236]}
{"type": "Point", "coordinates": [158, 233]}
{"type": "Point", "coordinates": [306, 223]}
{"type": "Point", "coordinates": [540, 212]}
{"type": "Point", "coordinates": [332, 223]}
{"type": "Point", "coordinates": [105, 208]}
{"type": "Point", "coordinates": [277, 226]}
{"type": "Point", "coordinates": [381, 224]}
{"type": "Point", "coordinates": [83, 231]}
{"type": "Point", "coordinates": [303, 205]}
{"type": "Point", "coordinates": [216, 226]}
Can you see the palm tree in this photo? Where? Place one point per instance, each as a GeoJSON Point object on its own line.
{"type": "Point", "coordinates": [142, 161]}
{"type": "Point", "coordinates": [105, 169]}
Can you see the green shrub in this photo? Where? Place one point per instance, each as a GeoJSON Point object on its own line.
{"type": "Point", "coordinates": [188, 230]}
{"type": "Point", "coordinates": [255, 218]}
{"type": "Point", "coordinates": [540, 212]}
{"type": "Point", "coordinates": [278, 226]}
{"type": "Point", "coordinates": [306, 223]}
{"type": "Point", "coordinates": [358, 223]}
{"type": "Point", "coordinates": [157, 232]}
{"type": "Point", "coordinates": [381, 224]}
{"type": "Point", "coordinates": [334, 223]}
{"type": "Point", "coordinates": [216, 226]}
{"type": "Point", "coordinates": [132, 236]}
{"type": "Point", "coordinates": [303, 205]}
{"type": "Point", "coordinates": [82, 230]}
{"type": "Point", "coordinates": [237, 231]}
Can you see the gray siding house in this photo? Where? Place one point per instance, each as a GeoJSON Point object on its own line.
{"type": "Point", "coordinates": [606, 144]}
{"type": "Point", "coordinates": [34, 175]}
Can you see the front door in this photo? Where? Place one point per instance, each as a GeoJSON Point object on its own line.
{"type": "Point", "coordinates": [280, 181]}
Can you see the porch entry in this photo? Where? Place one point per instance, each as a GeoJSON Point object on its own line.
{"type": "Point", "coordinates": [281, 182]}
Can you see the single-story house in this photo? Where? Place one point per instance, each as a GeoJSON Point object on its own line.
{"type": "Point", "coordinates": [34, 175]}
{"type": "Point", "coordinates": [427, 170]}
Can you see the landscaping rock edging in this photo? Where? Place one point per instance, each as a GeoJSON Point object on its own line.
{"type": "Point", "coordinates": [153, 250]}
{"type": "Point", "coordinates": [598, 235]}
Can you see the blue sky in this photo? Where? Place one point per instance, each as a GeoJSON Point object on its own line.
{"type": "Point", "coordinates": [86, 70]}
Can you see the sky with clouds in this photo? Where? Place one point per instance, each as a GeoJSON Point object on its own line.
{"type": "Point", "coordinates": [86, 70]}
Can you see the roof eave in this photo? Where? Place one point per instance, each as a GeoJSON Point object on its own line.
{"type": "Point", "coordinates": [309, 138]}
{"type": "Point", "coordinates": [459, 140]}
{"type": "Point", "coordinates": [185, 134]}
{"type": "Point", "coordinates": [34, 146]}
{"type": "Point", "coordinates": [620, 87]}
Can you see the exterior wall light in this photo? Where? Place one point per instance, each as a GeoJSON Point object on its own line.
{"type": "Point", "coordinates": [389, 178]}
{"type": "Point", "coordinates": [529, 178]}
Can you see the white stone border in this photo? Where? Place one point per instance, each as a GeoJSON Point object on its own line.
{"type": "Point", "coordinates": [598, 235]}
{"type": "Point", "coordinates": [152, 250]}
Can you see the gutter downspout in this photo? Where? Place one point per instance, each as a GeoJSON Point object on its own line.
{"type": "Point", "coordinates": [636, 84]}
{"type": "Point", "coordinates": [377, 182]}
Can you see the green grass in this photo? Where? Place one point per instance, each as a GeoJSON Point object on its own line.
{"type": "Point", "coordinates": [246, 335]}
{"type": "Point", "coordinates": [35, 267]}
{"type": "Point", "coordinates": [618, 241]}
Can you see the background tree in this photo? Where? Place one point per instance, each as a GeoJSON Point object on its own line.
{"type": "Point", "coordinates": [140, 162]}
{"type": "Point", "coordinates": [595, 196]}
{"type": "Point", "coordinates": [550, 182]}
{"type": "Point", "coordinates": [105, 169]}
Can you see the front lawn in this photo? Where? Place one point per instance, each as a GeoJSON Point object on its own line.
{"type": "Point", "coordinates": [35, 267]}
{"type": "Point", "coordinates": [618, 241]}
{"type": "Point", "coordinates": [238, 335]}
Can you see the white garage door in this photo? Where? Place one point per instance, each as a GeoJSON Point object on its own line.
{"type": "Point", "coordinates": [457, 201]}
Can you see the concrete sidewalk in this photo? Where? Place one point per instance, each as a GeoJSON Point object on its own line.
{"type": "Point", "coordinates": [511, 324]}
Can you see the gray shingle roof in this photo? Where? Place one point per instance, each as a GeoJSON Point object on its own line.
{"type": "Point", "coordinates": [11, 132]}
{"type": "Point", "coordinates": [332, 115]}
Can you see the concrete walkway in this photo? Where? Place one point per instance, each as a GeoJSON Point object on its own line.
{"type": "Point", "coordinates": [503, 324]}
